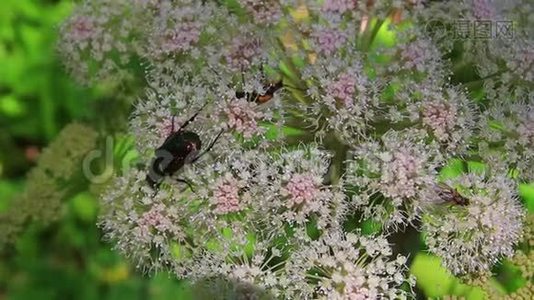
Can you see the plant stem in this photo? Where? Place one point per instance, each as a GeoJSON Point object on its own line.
{"type": "Point", "coordinates": [337, 166]}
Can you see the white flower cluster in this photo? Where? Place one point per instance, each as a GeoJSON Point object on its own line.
{"type": "Point", "coordinates": [473, 237]}
{"type": "Point", "coordinates": [343, 97]}
{"type": "Point", "coordinates": [98, 33]}
{"type": "Point", "coordinates": [269, 130]}
{"type": "Point", "coordinates": [351, 266]}
{"type": "Point", "coordinates": [496, 37]}
{"type": "Point", "coordinates": [507, 131]}
{"type": "Point", "coordinates": [394, 176]}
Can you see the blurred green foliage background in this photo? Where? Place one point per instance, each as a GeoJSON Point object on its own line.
{"type": "Point", "coordinates": [67, 259]}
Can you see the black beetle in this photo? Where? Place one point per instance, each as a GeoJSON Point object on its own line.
{"type": "Point", "coordinates": [179, 148]}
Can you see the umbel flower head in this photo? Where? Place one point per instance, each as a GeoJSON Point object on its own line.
{"type": "Point", "coordinates": [350, 266]}
{"type": "Point", "coordinates": [446, 113]}
{"type": "Point", "coordinates": [472, 236]}
{"type": "Point", "coordinates": [95, 40]}
{"type": "Point", "coordinates": [263, 11]}
{"type": "Point", "coordinates": [393, 176]}
{"type": "Point", "coordinates": [301, 115]}
{"type": "Point", "coordinates": [176, 29]}
{"type": "Point", "coordinates": [343, 97]}
{"type": "Point", "coordinates": [502, 59]}
{"type": "Point", "coordinates": [102, 37]}
{"type": "Point", "coordinates": [507, 132]}
{"type": "Point", "coordinates": [247, 197]}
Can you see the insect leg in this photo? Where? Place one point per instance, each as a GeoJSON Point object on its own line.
{"type": "Point", "coordinates": [245, 95]}
{"type": "Point", "coordinates": [192, 118]}
{"type": "Point", "coordinates": [329, 171]}
{"type": "Point", "coordinates": [278, 85]}
{"type": "Point", "coordinates": [238, 94]}
{"type": "Point", "coordinates": [262, 72]}
{"type": "Point", "coordinates": [256, 97]}
{"type": "Point", "coordinates": [209, 147]}
{"type": "Point", "coordinates": [243, 77]}
{"type": "Point", "coordinates": [186, 182]}
{"type": "Point", "coordinates": [156, 190]}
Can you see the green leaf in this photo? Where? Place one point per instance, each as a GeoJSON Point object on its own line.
{"type": "Point", "coordinates": [452, 169]}
{"type": "Point", "coordinates": [431, 277]}
{"type": "Point", "coordinates": [11, 106]}
{"type": "Point", "coordinates": [388, 95]}
{"type": "Point", "coordinates": [385, 37]}
{"type": "Point", "coordinates": [289, 73]}
{"type": "Point", "coordinates": [312, 230]}
{"type": "Point", "coordinates": [251, 244]}
{"type": "Point", "coordinates": [227, 232]}
{"type": "Point", "coordinates": [8, 189]}
{"type": "Point", "coordinates": [526, 191]}
{"type": "Point", "coordinates": [370, 227]}
{"type": "Point", "coordinates": [179, 252]}
{"type": "Point", "coordinates": [292, 131]}
{"type": "Point", "coordinates": [476, 167]}
{"type": "Point", "coordinates": [272, 132]}
{"type": "Point", "coordinates": [436, 281]}
{"type": "Point", "coordinates": [84, 206]}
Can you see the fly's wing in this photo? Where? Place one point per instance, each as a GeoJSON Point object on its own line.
{"type": "Point", "coordinates": [444, 191]}
{"type": "Point", "coordinates": [273, 88]}
{"type": "Point", "coordinates": [270, 89]}
{"type": "Point", "coordinates": [450, 195]}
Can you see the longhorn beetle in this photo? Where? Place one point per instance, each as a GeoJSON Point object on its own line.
{"type": "Point", "coordinates": [270, 89]}
{"type": "Point", "coordinates": [179, 148]}
{"type": "Point", "coordinates": [268, 94]}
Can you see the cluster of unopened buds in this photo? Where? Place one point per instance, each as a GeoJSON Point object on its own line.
{"type": "Point", "coordinates": [270, 130]}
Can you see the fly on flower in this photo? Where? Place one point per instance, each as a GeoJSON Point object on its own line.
{"type": "Point", "coordinates": [269, 89]}
{"type": "Point", "coordinates": [451, 195]}
{"type": "Point", "coordinates": [181, 147]}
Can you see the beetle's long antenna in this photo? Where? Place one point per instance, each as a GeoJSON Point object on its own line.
{"type": "Point", "coordinates": [192, 118]}
{"type": "Point", "coordinates": [209, 147]}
